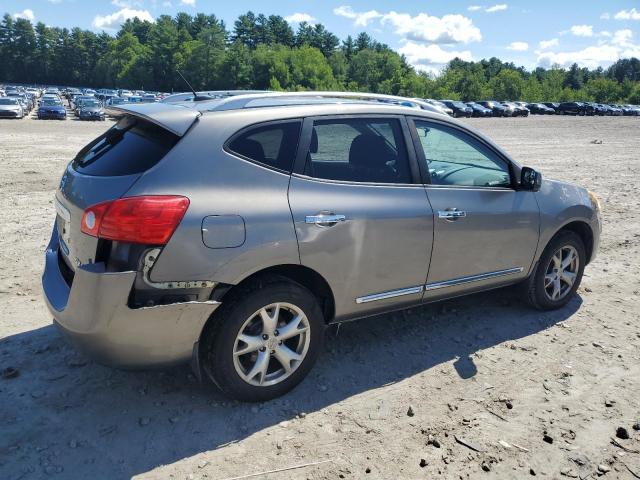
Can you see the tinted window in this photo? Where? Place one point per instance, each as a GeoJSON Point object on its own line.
{"type": "Point", "coordinates": [274, 145]}
{"type": "Point", "coordinates": [454, 158]}
{"type": "Point", "coordinates": [358, 150]}
{"type": "Point", "coordinates": [131, 146]}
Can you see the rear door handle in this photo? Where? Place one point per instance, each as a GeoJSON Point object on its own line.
{"type": "Point", "coordinates": [325, 219]}
{"type": "Point", "coordinates": [451, 214]}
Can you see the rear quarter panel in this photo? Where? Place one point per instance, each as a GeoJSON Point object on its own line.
{"type": "Point", "coordinates": [218, 183]}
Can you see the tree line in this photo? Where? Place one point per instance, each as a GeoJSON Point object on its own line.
{"type": "Point", "coordinates": [265, 52]}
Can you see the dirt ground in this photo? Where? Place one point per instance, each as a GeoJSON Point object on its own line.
{"type": "Point", "coordinates": [496, 390]}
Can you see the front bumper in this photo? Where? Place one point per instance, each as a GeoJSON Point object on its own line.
{"type": "Point", "coordinates": [54, 115]}
{"type": "Point", "coordinates": [93, 312]}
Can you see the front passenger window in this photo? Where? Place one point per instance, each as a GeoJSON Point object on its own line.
{"type": "Point", "coordinates": [454, 158]}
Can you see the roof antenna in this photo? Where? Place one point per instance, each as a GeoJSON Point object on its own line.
{"type": "Point", "coordinates": [196, 97]}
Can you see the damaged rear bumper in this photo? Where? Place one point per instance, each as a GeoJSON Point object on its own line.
{"type": "Point", "coordinates": [94, 313]}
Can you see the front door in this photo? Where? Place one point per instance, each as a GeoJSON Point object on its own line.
{"type": "Point", "coordinates": [485, 230]}
{"type": "Point", "coordinates": [361, 214]}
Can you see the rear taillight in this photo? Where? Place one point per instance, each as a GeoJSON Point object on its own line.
{"type": "Point", "coordinates": [149, 220]}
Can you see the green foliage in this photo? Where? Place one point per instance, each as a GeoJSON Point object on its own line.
{"type": "Point", "coordinates": [264, 52]}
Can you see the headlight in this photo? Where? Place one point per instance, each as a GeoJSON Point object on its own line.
{"type": "Point", "coordinates": [595, 201]}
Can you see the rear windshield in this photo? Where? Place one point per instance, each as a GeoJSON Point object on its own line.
{"type": "Point", "coordinates": [131, 146]}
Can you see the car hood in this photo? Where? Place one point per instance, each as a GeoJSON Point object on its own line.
{"type": "Point", "coordinates": [10, 107]}
{"type": "Point", "coordinates": [90, 109]}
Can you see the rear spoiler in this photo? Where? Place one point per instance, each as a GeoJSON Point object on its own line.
{"type": "Point", "coordinates": [175, 118]}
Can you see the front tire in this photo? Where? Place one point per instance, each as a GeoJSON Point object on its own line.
{"type": "Point", "coordinates": [264, 340]}
{"type": "Point", "coordinates": [558, 273]}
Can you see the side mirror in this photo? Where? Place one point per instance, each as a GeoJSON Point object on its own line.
{"type": "Point", "coordinates": [530, 179]}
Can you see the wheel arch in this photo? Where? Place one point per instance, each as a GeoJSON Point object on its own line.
{"type": "Point", "coordinates": [583, 230]}
{"type": "Point", "coordinates": [300, 274]}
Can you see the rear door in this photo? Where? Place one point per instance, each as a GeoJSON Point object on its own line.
{"type": "Point", "coordinates": [485, 230]}
{"type": "Point", "coordinates": [361, 215]}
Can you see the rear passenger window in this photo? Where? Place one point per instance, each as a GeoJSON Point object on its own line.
{"type": "Point", "coordinates": [358, 150]}
{"type": "Point", "coordinates": [273, 145]}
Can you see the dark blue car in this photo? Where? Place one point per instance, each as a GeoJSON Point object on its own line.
{"type": "Point", "coordinates": [51, 109]}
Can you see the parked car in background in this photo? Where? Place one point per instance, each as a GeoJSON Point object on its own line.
{"type": "Point", "coordinates": [91, 110]}
{"type": "Point", "coordinates": [540, 109]}
{"type": "Point", "coordinates": [553, 105]}
{"type": "Point", "coordinates": [516, 109]}
{"type": "Point", "coordinates": [80, 100]}
{"type": "Point", "coordinates": [439, 106]}
{"type": "Point", "coordinates": [155, 260]}
{"type": "Point", "coordinates": [496, 108]}
{"type": "Point", "coordinates": [148, 98]}
{"type": "Point", "coordinates": [479, 110]}
{"type": "Point", "coordinates": [629, 110]}
{"type": "Point", "coordinates": [10, 107]}
{"type": "Point", "coordinates": [572, 108]}
{"type": "Point", "coordinates": [51, 108]}
{"type": "Point", "coordinates": [116, 101]}
{"type": "Point", "coordinates": [459, 108]}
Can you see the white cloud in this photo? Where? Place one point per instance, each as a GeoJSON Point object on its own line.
{"type": "Point", "coordinates": [622, 37]}
{"type": "Point", "coordinates": [474, 8]}
{"type": "Point", "coordinates": [605, 16]}
{"type": "Point", "coordinates": [423, 27]}
{"type": "Point", "coordinates": [497, 8]}
{"type": "Point", "coordinates": [299, 18]}
{"type": "Point", "coordinates": [518, 46]}
{"type": "Point", "coordinates": [190, 3]}
{"type": "Point", "coordinates": [113, 21]}
{"type": "Point", "coordinates": [632, 14]}
{"type": "Point", "coordinates": [590, 57]}
{"type": "Point", "coordinates": [582, 30]}
{"type": "Point", "coordinates": [360, 19]}
{"type": "Point", "coordinates": [430, 58]}
{"type": "Point", "coordinates": [27, 14]}
{"type": "Point", "coordinates": [604, 33]}
{"type": "Point", "coordinates": [125, 3]}
{"type": "Point", "coordinates": [544, 44]}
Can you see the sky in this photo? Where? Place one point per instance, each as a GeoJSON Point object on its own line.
{"type": "Point", "coordinates": [591, 33]}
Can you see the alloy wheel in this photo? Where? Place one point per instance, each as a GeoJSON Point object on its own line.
{"type": "Point", "coordinates": [271, 344]}
{"type": "Point", "coordinates": [561, 273]}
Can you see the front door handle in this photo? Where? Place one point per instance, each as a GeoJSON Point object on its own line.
{"type": "Point", "coordinates": [324, 219]}
{"type": "Point", "coordinates": [451, 214]}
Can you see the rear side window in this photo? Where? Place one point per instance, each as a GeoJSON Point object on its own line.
{"type": "Point", "coordinates": [358, 150]}
{"type": "Point", "coordinates": [131, 146]}
{"type": "Point", "coordinates": [273, 145]}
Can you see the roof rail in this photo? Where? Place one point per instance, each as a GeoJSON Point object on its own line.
{"type": "Point", "coordinates": [240, 101]}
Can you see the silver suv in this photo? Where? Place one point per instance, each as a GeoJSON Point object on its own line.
{"type": "Point", "coordinates": [230, 232]}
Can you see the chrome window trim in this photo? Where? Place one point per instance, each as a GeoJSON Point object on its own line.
{"type": "Point", "coordinates": [390, 294]}
{"type": "Point", "coordinates": [472, 278]}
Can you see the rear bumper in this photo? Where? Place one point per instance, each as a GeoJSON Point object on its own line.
{"type": "Point", "coordinates": [94, 314]}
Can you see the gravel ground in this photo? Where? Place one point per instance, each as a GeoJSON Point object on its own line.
{"type": "Point", "coordinates": [480, 387]}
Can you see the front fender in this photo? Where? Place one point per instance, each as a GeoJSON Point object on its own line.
{"type": "Point", "coordinates": [563, 203]}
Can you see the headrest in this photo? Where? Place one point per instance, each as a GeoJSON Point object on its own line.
{"type": "Point", "coordinates": [368, 150]}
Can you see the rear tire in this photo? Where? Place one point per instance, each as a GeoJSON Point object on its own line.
{"type": "Point", "coordinates": [265, 314]}
{"type": "Point", "coordinates": [548, 286]}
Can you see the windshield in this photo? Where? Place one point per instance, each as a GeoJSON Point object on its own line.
{"type": "Point", "coordinates": [90, 103]}
{"type": "Point", "coordinates": [8, 101]}
{"type": "Point", "coordinates": [50, 102]}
